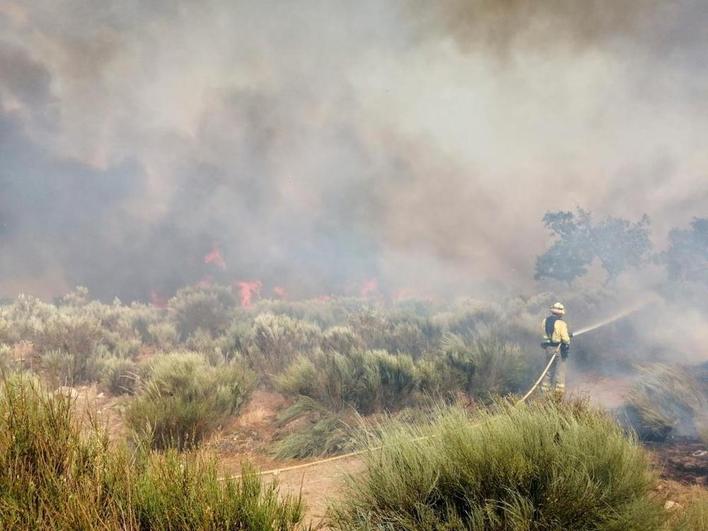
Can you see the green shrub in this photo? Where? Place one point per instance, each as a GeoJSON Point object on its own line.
{"type": "Point", "coordinates": [214, 349]}
{"type": "Point", "coordinates": [341, 339]}
{"type": "Point", "coordinates": [77, 334]}
{"type": "Point", "coordinates": [535, 467]}
{"type": "Point", "coordinates": [414, 338]}
{"type": "Point", "coordinates": [62, 368]}
{"type": "Point", "coordinates": [184, 398]}
{"type": "Point", "coordinates": [162, 335]}
{"type": "Point", "coordinates": [395, 331]}
{"type": "Point", "coordinates": [56, 473]}
{"type": "Point", "coordinates": [119, 376]}
{"type": "Point", "coordinates": [371, 326]}
{"type": "Point", "coordinates": [25, 316]}
{"type": "Point", "coordinates": [301, 378]}
{"type": "Point", "coordinates": [324, 313]}
{"type": "Point", "coordinates": [276, 340]}
{"type": "Point", "coordinates": [118, 325]}
{"type": "Point", "coordinates": [67, 344]}
{"type": "Point", "coordinates": [209, 308]}
{"type": "Point", "coordinates": [398, 379]}
{"type": "Point", "coordinates": [481, 368]}
{"type": "Point", "coordinates": [184, 492]}
{"type": "Point", "coordinates": [368, 381]}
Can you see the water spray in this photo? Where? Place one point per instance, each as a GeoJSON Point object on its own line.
{"type": "Point", "coordinates": [621, 315]}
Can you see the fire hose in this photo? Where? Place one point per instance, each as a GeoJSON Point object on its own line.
{"type": "Point", "coordinates": [540, 379]}
{"type": "Point", "coordinates": [523, 399]}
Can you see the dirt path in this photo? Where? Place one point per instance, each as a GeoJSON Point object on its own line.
{"type": "Point", "coordinates": [319, 485]}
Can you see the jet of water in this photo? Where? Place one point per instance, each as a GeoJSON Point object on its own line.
{"type": "Point", "coordinates": [622, 314]}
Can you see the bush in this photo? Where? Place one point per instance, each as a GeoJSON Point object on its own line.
{"type": "Point", "coordinates": [184, 399]}
{"type": "Point", "coordinates": [77, 334]}
{"type": "Point", "coordinates": [302, 378]}
{"type": "Point", "coordinates": [413, 338]}
{"type": "Point", "coordinates": [312, 431]}
{"type": "Point", "coordinates": [396, 332]}
{"type": "Point", "coordinates": [532, 467]}
{"type": "Point", "coordinates": [119, 376]}
{"type": "Point", "coordinates": [56, 473]}
{"type": "Point", "coordinates": [368, 381]}
{"type": "Point", "coordinates": [481, 368]}
{"type": "Point", "coordinates": [162, 335]}
{"type": "Point", "coordinates": [276, 340]}
{"type": "Point", "coordinates": [209, 308]}
{"type": "Point", "coordinates": [67, 344]}
{"type": "Point", "coordinates": [340, 339]}
{"type": "Point", "coordinates": [214, 349]}
{"type": "Point", "coordinates": [64, 369]}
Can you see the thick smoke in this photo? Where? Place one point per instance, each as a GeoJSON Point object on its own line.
{"type": "Point", "coordinates": [321, 144]}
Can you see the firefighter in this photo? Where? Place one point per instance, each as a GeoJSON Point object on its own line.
{"type": "Point", "coordinates": [556, 340]}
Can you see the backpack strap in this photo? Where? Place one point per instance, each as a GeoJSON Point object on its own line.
{"type": "Point", "coordinates": [550, 326]}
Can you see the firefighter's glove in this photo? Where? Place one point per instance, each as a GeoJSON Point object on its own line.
{"type": "Point", "coordinates": [564, 350]}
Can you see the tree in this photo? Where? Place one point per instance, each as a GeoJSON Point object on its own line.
{"type": "Point", "coordinates": [687, 255]}
{"type": "Point", "coordinates": [620, 244]}
{"type": "Point", "coordinates": [617, 243]}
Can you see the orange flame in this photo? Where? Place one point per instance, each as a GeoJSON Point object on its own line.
{"type": "Point", "coordinates": [215, 258]}
{"type": "Point", "coordinates": [249, 290]}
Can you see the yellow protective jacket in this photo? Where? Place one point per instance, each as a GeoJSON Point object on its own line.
{"type": "Point", "coordinates": [558, 329]}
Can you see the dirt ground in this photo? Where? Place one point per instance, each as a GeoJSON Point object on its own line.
{"type": "Point", "coordinates": [247, 439]}
{"type": "Point", "coordinates": [684, 461]}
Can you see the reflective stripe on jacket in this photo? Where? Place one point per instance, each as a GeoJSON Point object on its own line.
{"type": "Point", "coordinates": [560, 330]}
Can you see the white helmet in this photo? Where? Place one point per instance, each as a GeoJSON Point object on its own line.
{"type": "Point", "coordinates": [558, 309]}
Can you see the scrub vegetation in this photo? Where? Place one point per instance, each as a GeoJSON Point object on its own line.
{"type": "Point", "coordinates": [184, 368]}
{"type": "Point", "coordinates": [343, 367]}
{"type": "Point", "coordinates": [57, 472]}
{"type": "Point", "coordinates": [539, 467]}
{"type": "Point", "coordinates": [667, 401]}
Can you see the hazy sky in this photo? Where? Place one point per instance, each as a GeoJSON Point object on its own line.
{"type": "Point", "coordinates": [319, 144]}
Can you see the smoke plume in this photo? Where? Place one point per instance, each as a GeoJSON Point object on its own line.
{"type": "Point", "coordinates": [321, 147]}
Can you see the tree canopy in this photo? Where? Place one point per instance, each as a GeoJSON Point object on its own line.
{"type": "Point", "coordinates": [687, 254]}
{"type": "Point", "coordinates": [617, 243]}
